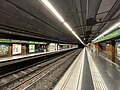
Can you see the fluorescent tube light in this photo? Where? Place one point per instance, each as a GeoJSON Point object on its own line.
{"type": "Point", "coordinates": [52, 9]}
{"type": "Point", "coordinates": [67, 26]}
{"type": "Point", "coordinates": [107, 31]}
{"type": "Point", "coordinates": [71, 30]}
{"type": "Point", "coordinates": [111, 28]}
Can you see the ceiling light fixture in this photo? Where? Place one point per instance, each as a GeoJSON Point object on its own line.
{"type": "Point", "coordinates": [52, 9]}
{"type": "Point", "coordinates": [71, 30]}
{"type": "Point", "coordinates": [107, 31]}
{"type": "Point", "coordinates": [67, 26]}
{"type": "Point", "coordinates": [60, 18]}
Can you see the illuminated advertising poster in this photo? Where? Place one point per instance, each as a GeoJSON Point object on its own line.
{"type": "Point", "coordinates": [31, 48]}
{"type": "Point", "coordinates": [118, 48]}
{"type": "Point", "coordinates": [16, 49]}
{"type": "Point", "coordinates": [3, 49]}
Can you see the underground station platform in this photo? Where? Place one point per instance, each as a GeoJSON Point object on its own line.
{"type": "Point", "coordinates": [69, 69]}
{"type": "Point", "coordinates": [59, 44]}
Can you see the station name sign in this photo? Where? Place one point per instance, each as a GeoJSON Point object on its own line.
{"type": "Point", "coordinates": [20, 41]}
{"type": "Point", "coordinates": [109, 36]}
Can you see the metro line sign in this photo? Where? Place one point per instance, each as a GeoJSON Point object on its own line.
{"type": "Point", "coordinates": [32, 42]}
{"type": "Point", "coordinates": [20, 41]}
{"type": "Point", "coordinates": [109, 36]}
{"type": "Point", "coordinates": [4, 41]}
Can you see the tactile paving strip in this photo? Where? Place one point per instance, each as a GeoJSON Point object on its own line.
{"type": "Point", "coordinates": [98, 81]}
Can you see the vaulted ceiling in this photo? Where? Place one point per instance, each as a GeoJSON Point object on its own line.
{"type": "Point", "coordinates": [30, 18]}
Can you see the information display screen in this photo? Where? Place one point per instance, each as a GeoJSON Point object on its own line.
{"type": "Point", "coordinates": [4, 49]}
{"type": "Point", "coordinates": [16, 49]}
{"type": "Point", "coordinates": [31, 48]}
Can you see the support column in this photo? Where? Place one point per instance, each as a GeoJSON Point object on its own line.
{"type": "Point", "coordinates": [46, 48]}
{"type": "Point", "coordinates": [113, 50]}
{"type": "Point", "coordinates": [10, 50]}
{"type": "Point", "coordinates": [23, 49]}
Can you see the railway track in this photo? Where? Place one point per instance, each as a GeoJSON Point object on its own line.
{"type": "Point", "coordinates": [49, 80]}
{"type": "Point", "coordinates": [21, 79]}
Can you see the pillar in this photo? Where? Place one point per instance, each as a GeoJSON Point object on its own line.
{"type": "Point", "coordinates": [113, 50]}
{"type": "Point", "coordinates": [10, 50]}
{"type": "Point", "coordinates": [46, 48]}
{"type": "Point", "coordinates": [23, 49]}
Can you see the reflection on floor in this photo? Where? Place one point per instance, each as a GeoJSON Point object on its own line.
{"type": "Point", "coordinates": [109, 71]}
{"type": "Point", "coordinates": [90, 71]}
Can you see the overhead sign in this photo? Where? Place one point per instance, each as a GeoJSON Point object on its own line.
{"type": "Point", "coordinates": [4, 41]}
{"type": "Point", "coordinates": [32, 42]}
{"type": "Point", "coordinates": [109, 36]}
{"type": "Point", "coordinates": [20, 41]}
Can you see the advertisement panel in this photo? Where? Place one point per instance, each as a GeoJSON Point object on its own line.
{"type": "Point", "coordinates": [16, 49]}
{"type": "Point", "coordinates": [52, 47]}
{"type": "Point", "coordinates": [4, 49]}
{"type": "Point", "coordinates": [118, 48]}
{"type": "Point", "coordinates": [39, 48]}
{"type": "Point", "coordinates": [31, 48]}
